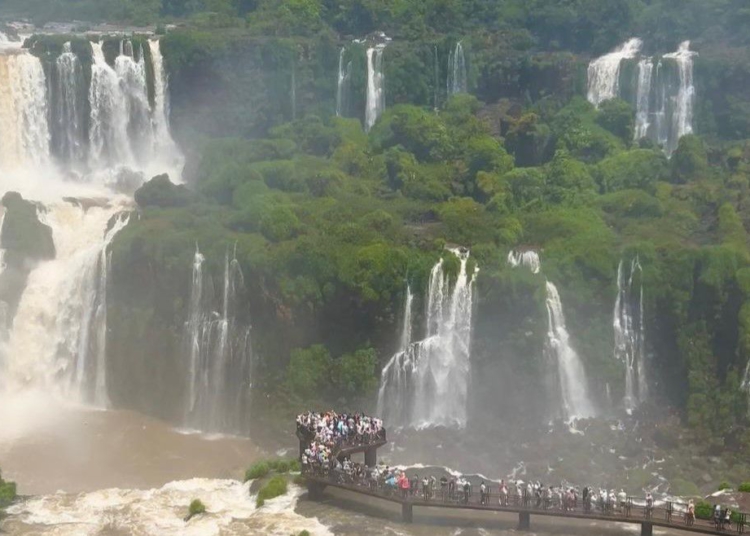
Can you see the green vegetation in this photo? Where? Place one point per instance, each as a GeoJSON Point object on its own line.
{"type": "Point", "coordinates": [196, 508]}
{"type": "Point", "coordinates": [262, 469]}
{"type": "Point", "coordinates": [7, 492]}
{"type": "Point", "coordinates": [744, 487]}
{"type": "Point", "coordinates": [275, 487]}
{"type": "Point", "coordinates": [704, 510]}
{"type": "Point", "coordinates": [257, 470]}
{"type": "Point", "coordinates": [723, 486]}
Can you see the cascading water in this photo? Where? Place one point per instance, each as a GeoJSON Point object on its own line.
{"type": "Point", "coordinates": [375, 90]}
{"type": "Point", "coordinates": [220, 356]}
{"type": "Point", "coordinates": [604, 72]}
{"type": "Point", "coordinates": [165, 148]}
{"type": "Point", "coordinates": [23, 111]}
{"type": "Point", "coordinates": [682, 116]}
{"type": "Point", "coordinates": [109, 143]}
{"type": "Point", "coordinates": [67, 134]}
{"type": "Point", "coordinates": [629, 331]}
{"type": "Point", "coordinates": [528, 259]}
{"type": "Point", "coordinates": [457, 70]}
{"type": "Point", "coordinates": [56, 342]}
{"type": "Point", "coordinates": [575, 400]}
{"type": "Point", "coordinates": [643, 98]}
{"type": "Point", "coordinates": [427, 383]}
{"type": "Point", "coordinates": [342, 86]}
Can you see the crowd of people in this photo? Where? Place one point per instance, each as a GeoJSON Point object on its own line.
{"type": "Point", "coordinates": [326, 433]}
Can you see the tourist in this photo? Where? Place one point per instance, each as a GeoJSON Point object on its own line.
{"type": "Point", "coordinates": [649, 504]}
{"type": "Point", "coordinates": [425, 486]}
{"type": "Point", "coordinates": [403, 483]}
{"type": "Point", "coordinates": [690, 514]}
{"type": "Point", "coordinates": [443, 486]}
{"type": "Point", "coordinates": [414, 484]}
{"type": "Point", "coordinates": [483, 493]}
{"type": "Point", "coordinates": [452, 488]}
{"type": "Point", "coordinates": [717, 516]}
{"type": "Point", "coordinates": [467, 490]}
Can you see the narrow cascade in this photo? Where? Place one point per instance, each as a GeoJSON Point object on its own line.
{"type": "Point", "coordinates": [604, 72]}
{"type": "Point", "coordinates": [574, 400]}
{"type": "Point", "coordinates": [457, 70]}
{"type": "Point", "coordinates": [132, 75]}
{"type": "Point", "coordinates": [67, 133]}
{"type": "Point", "coordinates": [643, 98]}
{"type": "Point", "coordinates": [629, 331]}
{"type": "Point", "coordinates": [682, 114]}
{"type": "Point", "coordinates": [375, 90]}
{"type": "Point", "coordinates": [165, 148]}
{"type": "Point", "coordinates": [436, 73]}
{"type": "Point", "coordinates": [573, 385]}
{"type": "Point", "coordinates": [220, 356]}
{"type": "Point", "coordinates": [342, 86]}
{"type": "Point", "coordinates": [109, 143]}
{"type": "Point", "coordinates": [528, 259]}
{"type": "Point", "coordinates": [23, 112]}
{"type": "Point", "coordinates": [406, 331]}
{"type": "Point", "coordinates": [293, 93]}
{"type": "Point", "coordinates": [426, 384]}
{"type": "Point", "coordinates": [58, 338]}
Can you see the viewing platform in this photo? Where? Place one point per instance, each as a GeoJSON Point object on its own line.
{"type": "Point", "coordinates": [361, 479]}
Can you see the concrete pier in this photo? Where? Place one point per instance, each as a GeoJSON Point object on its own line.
{"type": "Point", "coordinates": [524, 521]}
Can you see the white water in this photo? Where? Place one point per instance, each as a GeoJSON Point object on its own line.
{"type": "Point", "coordinates": [165, 149]}
{"type": "Point", "coordinates": [683, 103]}
{"type": "Point", "coordinates": [220, 356]}
{"type": "Point", "coordinates": [528, 259]}
{"type": "Point", "coordinates": [427, 383]}
{"type": "Point", "coordinates": [342, 85]}
{"type": "Point", "coordinates": [457, 70]}
{"type": "Point", "coordinates": [68, 122]}
{"type": "Point", "coordinates": [643, 98]}
{"type": "Point", "coordinates": [375, 91]}
{"type": "Point", "coordinates": [230, 510]}
{"type": "Point", "coordinates": [23, 111]}
{"type": "Point", "coordinates": [406, 331]}
{"type": "Point", "coordinates": [575, 402]}
{"type": "Point", "coordinates": [604, 72]}
{"type": "Point", "coordinates": [132, 79]}
{"type": "Point", "coordinates": [629, 331]}
{"type": "Point", "coordinates": [109, 144]}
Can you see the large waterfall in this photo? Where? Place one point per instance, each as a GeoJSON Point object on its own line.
{"type": "Point", "coordinates": [457, 70]}
{"type": "Point", "coordinates": [574, 401]}
{"type": "Point", "coordinates": [664, 95]}
{"type": "Point", "coordinates": [375, 104]}
{"type": "Point", "coordinates": [219, 355]}
{"type": "Point", "coordinates": [56, 155]}
{"type": "Point", "coordinates": [604, 72]}
{"type": "Point", "coordinates": [427, 382]}
{"type": "Point", "coordinates": [629, 331]}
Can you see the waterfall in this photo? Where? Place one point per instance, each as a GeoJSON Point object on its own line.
{"type": "Point", "coordinates": [406, 331]}
{"type": "Point", "coordinates": [109, 143]}
{"type": "Point", "coordinates": [220, 356]}
{"type": "Point", "coordinates": [132, 75]}
{"type": "Point", "coordinates": [165, 148]}
{"type": "Point", "coordinates": [436, 74]}
{"type": "Point", "coordinates": [629, 332]}
{"type": "Point", "coordinates": [375, 89]}
{"type": "Point", "coordinates": [68, 122]}
{"type": "Point", "coordinates": [427, 382]}
{"type": "Point", "coordinates": [528, 259]}
{"type": "Point", "coordinates": [604, 72]}
{"type": "Point", "coordinates": [23, 111]}
{"type": "Point", "coordinates": [682, 115]}
{"type": "Point", "coordinates": [342, 87]}
{"type": "Point", "coordinates": [573, 385]}
{"type": "Point", "coordinates": [573, 388]}
{"type": "Point", "coordinates": [643, 98]}
{"type": "Point", "coordinates": [457, 70]}
{"type": "Point", "coordinates": [58, 337]}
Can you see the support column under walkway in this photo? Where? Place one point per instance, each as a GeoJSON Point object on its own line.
{"type": "Point", "coordinates": [407, 512]}
{"type": "Point", "coordinates": [647, 529]}
{"type": "Point", "coordinates": [524, 520]}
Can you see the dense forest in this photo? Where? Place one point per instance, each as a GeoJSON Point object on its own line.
{"type": "Point", "coordinates": [330, 222]}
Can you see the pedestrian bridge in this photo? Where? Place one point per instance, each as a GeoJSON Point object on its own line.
{"type": "Point", "coordinates": [666, 516]}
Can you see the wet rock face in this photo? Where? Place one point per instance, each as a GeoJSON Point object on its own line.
{"type": "Point", "coordinates": [25, 241]}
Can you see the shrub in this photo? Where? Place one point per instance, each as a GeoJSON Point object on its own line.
{"type": "Point", "coordinates": [282, 466]}
{"type": "Point", "coordinates": [7, 492]}
{"type": "Point", "coordinates": [704, 510]}
{"type": "Point", "coordinates": [744, 487]}
{"type": "Point", "coordinates": [683, 487]}
{"type": "Point", "coordinates": [257, 470]}
{"type": "Point", "coordinates": [724, 485]}
{"type": "Point", "coordinates": [299, 480]}
{"type": "Point", "coordinates": [304, 533]}
{"type": "Point", "coordinates": [197, 508]}
{"type": "Point", "coordinates": [275, 487]}
{"type": "Point", "coordinates": [294, 466]}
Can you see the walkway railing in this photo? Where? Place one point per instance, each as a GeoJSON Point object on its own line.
{"type": "Point", "coordinates": [629, 510]}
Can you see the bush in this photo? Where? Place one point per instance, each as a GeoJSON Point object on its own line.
{"type": "Point", "coordinates": [704, 510]}
{"type": "Point", "coordinates": [304, 533]}
{"type": "Point", "coordinates": [299, 480]}
{"type": "Point", "coordinates": [258, 470]}
{"type": "Point", "coordinates": [7, 492]}
{"type": "Point", "coordinates": [724, 485]}
{"type": "Point", "coordinates": [282, 466]}
{"type": "Point", "coordinates": [744, 487]}
{"type": "Point", "coordinates": [683, 488]}
{"type": "Point", "coordinates": [275, 487]}
{"type": "Point", "coordinates": [294, 466]}
{"type": "Point", "coordinates": [196, 508]}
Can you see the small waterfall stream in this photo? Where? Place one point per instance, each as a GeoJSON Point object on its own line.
{"type": "Point", "coordinates": [426, 383]}
{"type": "Point", "coordinates": [375, 90]}
{"type": "Point", "coordinates": [457, 70]}
{"type": "Point", "coordinates": [629, 331]}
